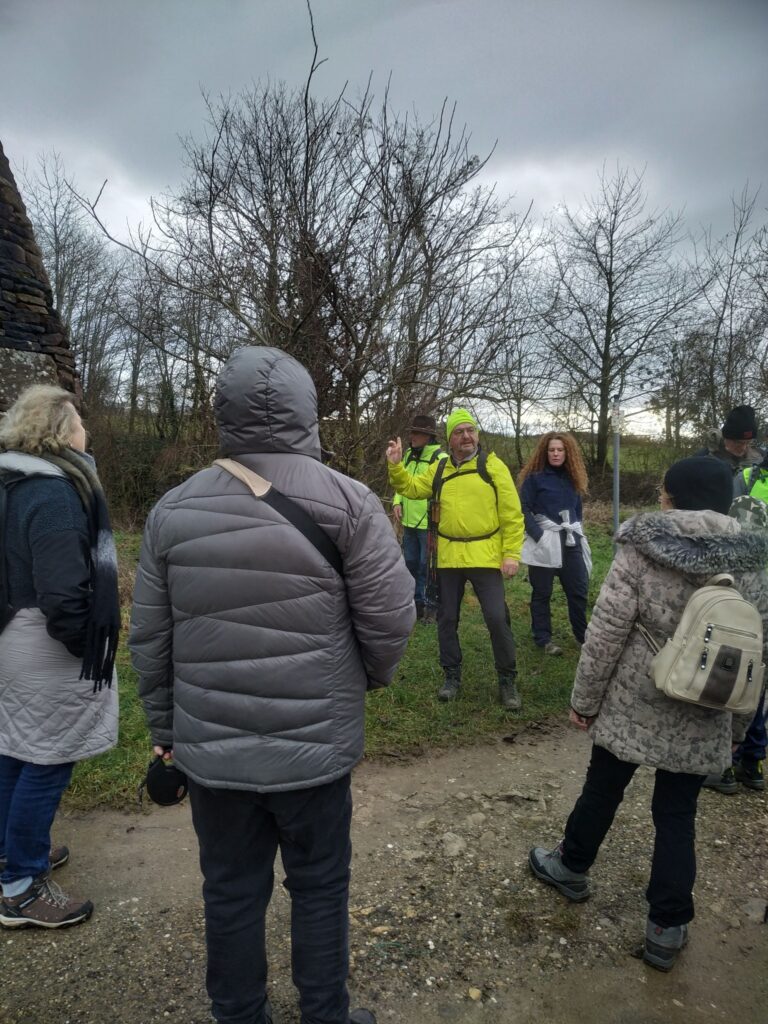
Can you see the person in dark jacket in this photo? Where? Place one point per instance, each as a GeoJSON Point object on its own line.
{"type": "Point", "coordinates": [254, 655]}
{"type": "Point", "coordinates": [57, 702]}
{"type": "Point", "coordinates": [735, 445]}
{"type": "Point", "coordinates": [553, 482]}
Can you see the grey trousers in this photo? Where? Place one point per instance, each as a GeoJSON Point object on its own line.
{"type": "Point", "coordinates": [488, 584]}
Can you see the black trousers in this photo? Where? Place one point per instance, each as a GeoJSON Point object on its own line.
{"type": "Point", "coordinates": [488, 584]}
{"type": "Point", "coordinates": [575, 583]}
{"type": "Point", "coordinates": [239, 834]}
{"type": "Point", "coordinates": [673, 867]}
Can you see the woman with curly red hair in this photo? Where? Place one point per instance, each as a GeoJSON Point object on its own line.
{"type": "Point", "coordinates": [553, 482]}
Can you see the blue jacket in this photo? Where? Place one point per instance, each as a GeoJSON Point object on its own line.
{"type": "Point", "coordinates": [47, 551]}
{"type": "Point", "coordinates": [548, 493]}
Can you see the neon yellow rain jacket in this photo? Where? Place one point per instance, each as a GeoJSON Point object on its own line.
{"type": "Point", "coordinates": [415, 510]}
{"type": "Point", "coordinates": [469, 507]}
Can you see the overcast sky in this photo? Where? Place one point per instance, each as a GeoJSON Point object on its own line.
{"type": "Point", "coordinates": [678, 87]}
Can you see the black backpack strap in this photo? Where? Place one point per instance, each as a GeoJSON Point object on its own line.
{"type": "Point", "coordinates": [8, 478]}
{"type": "Point", "coordinates": [289, 509]}
{"type": "Point", "coordinates": [437, 480]}
{"type": "Point", "coordinates": [435, 455]}
{"type": "Point", "coordinates": [306, 525]}
{"type": "Point", "coordinates": [482, 468]}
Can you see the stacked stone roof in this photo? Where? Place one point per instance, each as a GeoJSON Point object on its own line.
{"type": "Point", "coordinates": [34, 346]}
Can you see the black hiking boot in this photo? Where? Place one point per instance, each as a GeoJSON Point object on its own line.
{"type": "Point", "coordinates": [451, 685]}
{"type": "Point", "coordinates": [749, 772]}
{"type": "Point", "coordinates": [361, 1016]}
{"type": "Point", "coordinates": [724, 782]}
{"type": "Point", "coordinates": [509, 698]}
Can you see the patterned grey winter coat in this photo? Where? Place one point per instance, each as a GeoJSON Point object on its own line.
{"type": "Point", "coordinates": [662, 557]}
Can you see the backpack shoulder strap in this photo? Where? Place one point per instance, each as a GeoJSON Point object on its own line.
{"type": "Point", "coordinates": [8, 477]}
{"type": "Point", "coordinates": [482, 468]}
{"type": "Point", "coordinates": [435, 455]}
{"type": "Point", "coordinates": [288, 509]}
{"type": "Point", "coordinates": [437, 479]}
{"type": "Point", "coordinates": [720, 579]}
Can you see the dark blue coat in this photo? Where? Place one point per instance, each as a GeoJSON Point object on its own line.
{"type": "Point", "coordinates": [548, 493]}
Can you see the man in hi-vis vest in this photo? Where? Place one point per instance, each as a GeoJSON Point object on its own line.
{"type": "Point", "coordinates": [480, 535]}
{"type": "Point", "coordinates": [413, 513]}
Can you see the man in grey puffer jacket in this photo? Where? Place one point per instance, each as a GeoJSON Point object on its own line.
{"type": "Point", "coordinates": [254, 657]}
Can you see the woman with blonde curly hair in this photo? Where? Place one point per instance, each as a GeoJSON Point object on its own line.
{"type": "Point", "coordinates": [553, 482]}
{"type": "Point", "coordinates": [59, 623]}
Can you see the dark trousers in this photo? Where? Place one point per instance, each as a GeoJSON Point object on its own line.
{"type": "Point", "coordinates": [673, 867]}
{"type": "Point", "coordinates": [488, 584]}
{"type": "Point", "coordinates": [575, 583]}
{"type": "Point", "coordinates": [239, 834]}
{"type": "Point", "coordinates": [415, 556]}
{"type": "Point", "coordinates": [754, 743]}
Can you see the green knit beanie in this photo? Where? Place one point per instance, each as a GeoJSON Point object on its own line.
{"type": "Point", "coordinates": [459, 416]}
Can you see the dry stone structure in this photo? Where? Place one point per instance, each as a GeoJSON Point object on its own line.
{"type": "Point", "coordinates": [34, 347]}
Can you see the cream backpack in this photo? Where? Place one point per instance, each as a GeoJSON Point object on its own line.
{"type": "Point", "coordinates": [715, 657]}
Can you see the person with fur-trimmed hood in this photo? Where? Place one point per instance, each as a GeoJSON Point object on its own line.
{"type": "Point", "coordinates": [661, 559]}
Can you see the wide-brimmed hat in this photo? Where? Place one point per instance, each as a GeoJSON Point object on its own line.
{"type": "Point", "coordinates": [424, 425]}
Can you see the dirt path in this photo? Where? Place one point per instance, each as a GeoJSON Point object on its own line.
{"type": "Point", "coordinates": [447, 922]}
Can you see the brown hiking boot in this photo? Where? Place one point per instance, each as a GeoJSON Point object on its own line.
{"type": "Point", "coordinates": [43, 905]}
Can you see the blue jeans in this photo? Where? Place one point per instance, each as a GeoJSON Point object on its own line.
{"type": "Point", "coordinates": [29, 798]}
{"type": "Point", "coordinates": [239, 834]}
{"type": "Point", "coordinates": [415, 555]}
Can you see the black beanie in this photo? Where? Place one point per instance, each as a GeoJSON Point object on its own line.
{"type": "Point", "coordinates": [701, 482]}
{"type": "Point", "coordinates": [740, 424]}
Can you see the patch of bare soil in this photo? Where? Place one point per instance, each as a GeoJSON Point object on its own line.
{"type": "Point", "coordinates": [447, 923]}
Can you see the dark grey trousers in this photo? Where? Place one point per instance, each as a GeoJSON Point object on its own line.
{"type": "Point", "coordinates": [488, 584]}
{"type": "Point", "coordinates": [239, 833]}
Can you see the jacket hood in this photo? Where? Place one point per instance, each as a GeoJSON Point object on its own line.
{"type": "Point", "coordinates": [696, 543]}
{"type": "Point", "coordinates": [23, 462]}
{"type": "Point", "coordinates": [266, 402]}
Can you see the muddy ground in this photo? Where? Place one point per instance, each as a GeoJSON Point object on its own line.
{"type": "Point", "coordinates": [447, 924]}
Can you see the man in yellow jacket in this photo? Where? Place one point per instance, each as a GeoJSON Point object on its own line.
{"type": "Point", "coordinates": [480, 535]}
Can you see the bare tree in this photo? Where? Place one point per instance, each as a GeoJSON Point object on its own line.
{"type": "Point", "coordinates": [617, 291]}
{"type": "Point", "coordinates": [732, 318]}
{"type": "Point", "coordinates": [352, 237]}
{"type": "Point", "coordinates": [84, 272]}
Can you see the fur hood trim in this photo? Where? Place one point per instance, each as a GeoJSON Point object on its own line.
{"type": "Point", "coordinates": [696, 543]}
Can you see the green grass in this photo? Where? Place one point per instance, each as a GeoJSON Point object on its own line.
{"type": "Point", "coordinates": [403, 719]}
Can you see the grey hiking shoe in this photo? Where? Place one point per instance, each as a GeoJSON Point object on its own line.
{"type": "Point", "coordinates": [451, 685]}
{"type": "Point", "coordinates": [509, 697]}
{"type": "Point", "coordinates": [723, 783]}
{"type": "Point", "coordinates": [57, 858]}
{"type": "Point", "coordinates": [662, 945]}
{"type": "Point", "coordinates": [552, 649]}
{"type": "Point", "coordinates": [548, 866]}
{"type": "Point", "coordinates": [43, 905]}
{"type": "Point", "coordinates": [361, 1016]}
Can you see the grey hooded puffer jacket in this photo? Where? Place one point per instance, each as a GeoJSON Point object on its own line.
{"type": "Point", "coordinates": [254, 657]}
{"type": "Point", "coordinates": [661, 559]}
